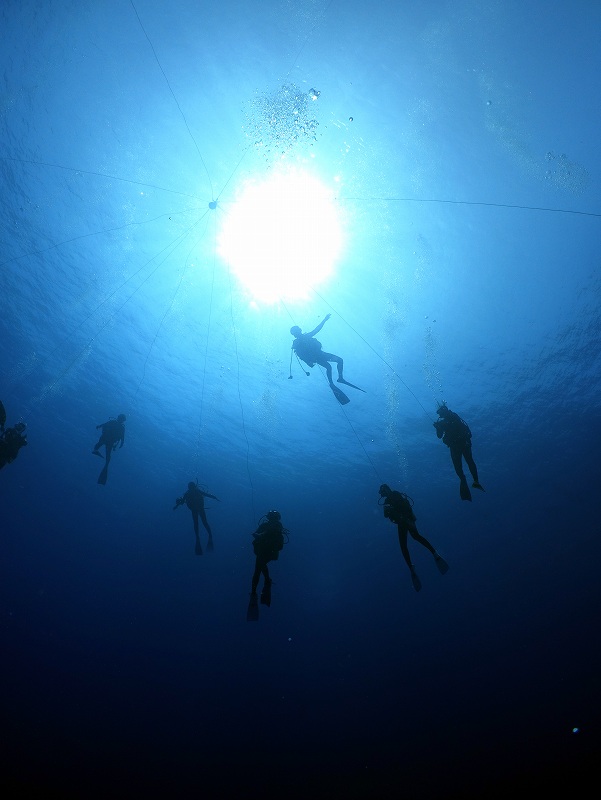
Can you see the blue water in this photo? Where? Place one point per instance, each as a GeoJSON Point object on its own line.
{"type": "Point", "coordinates": [461, 142]}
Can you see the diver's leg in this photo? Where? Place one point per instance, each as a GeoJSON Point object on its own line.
{"type": "Point", "coordinates": [197, 545]}
{"type": "Point", "coordinates": [205, 522]}
{"type": "Point", "coordinates": [403, 543]}
{"type": "Point", "coordinates": [405, 551]}
{"type": "Point", "coordinates": [456, 459]}
{"type": "Point", "coordinates": [469, 460]}
{"type": "Point", "coordinates": [419, 538]}
{"type": "Point", "coordinates": [464, 489]}
{"type": "Point", "coordinates": [323, 362]}
{"type": "Point", "coordinates": [259, 566]}
{"type": "Point", "coordinates": [203, 519]}
{"type": "Point", "coordinates": [338, 361]}
{"type": "Point", "coordinates": [266, 591]}
{"type": "Point", "coordinates": [105, 470]}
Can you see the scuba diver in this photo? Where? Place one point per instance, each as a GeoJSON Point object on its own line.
{"type": "Point", "coordinates": [455, 433]}
{"type": "Point", "coordinates": [113, 432]}
{"type": "Point", "coordinates": [309, 350]}
{"type": "Point", "coordinates": [268, 541]}
{"type": "Point", "coordinates": [11, 439]}
{"type": "Point", "coordinates": [194, 499]}
{"type": "Point", "coordinates": [398, 508]}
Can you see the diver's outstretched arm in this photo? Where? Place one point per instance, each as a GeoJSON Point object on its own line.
{"type": "Point", "coordinates": [320, 326]}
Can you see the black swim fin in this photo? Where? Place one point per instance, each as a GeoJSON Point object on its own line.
{"type": "Point", "coordinates": [198, 548]}
{"type": "Point", "coordinates": [340, 395]}
{"type": "Point", "coordinates": [417, 584]}
{"type": "Point", "coordinates": [252, 612]}
{"type": "Point", "coordinates": [210, 546]}
{"type": "Point", "coordinates": [476, 485]}
{"type": "Point", "coordinates": [442, 565]}
{"type": "Point", "coordinates": [464, 491]}
{"type": "Point", "coordinates": [342, 380]}
{"type": "Point", "coordinates": [103, 475]}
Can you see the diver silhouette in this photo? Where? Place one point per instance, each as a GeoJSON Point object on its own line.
{"type": "Point", "coordinates": [398, 508]}
{"type": "Point", "coordinates": [268, 541]}
{"type": "Point", "coordinates": [310, 351]}
{"type": "Point", "coordinates": [194, 499]}
{"type": "Point", "coordinates": [113, 432]}
{"type": "Point", "coordinates": [455, 433]}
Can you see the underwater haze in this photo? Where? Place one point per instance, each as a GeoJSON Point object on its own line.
{"type": "Point", "coordinates": [182, 183]}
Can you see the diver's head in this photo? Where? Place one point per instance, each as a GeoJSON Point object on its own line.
{"type": "Point", "coordinates": [121, 418]}
{"type": "Point", "coordinates": [385, 490]}
{"type": "Point", "coordinates": [442, 410]}
{"type": "Point", "coordinates": [273, 516]}
{"type": "Point", "coordinates": [295, 330]}
{"type": "Point", "coordinates": [191, 485]}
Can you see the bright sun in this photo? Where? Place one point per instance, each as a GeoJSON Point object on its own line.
{"type": "Point", "coordinates": [282, 236]}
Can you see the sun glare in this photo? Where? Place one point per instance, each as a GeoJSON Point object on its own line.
{"type": "Point", "coordinates": [282, 236]}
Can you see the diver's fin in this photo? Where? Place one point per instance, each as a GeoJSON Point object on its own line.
{"type": "Point", "coordinates": [103, 475]}
{"type": "Point", "coordinates": [342, 380]}
{"type": "Point", "coordinates": [417, 584]}
{"type": "Point", "coordinates": [266, 593]}
{"type": "Point", "coordinates": [340, 395]}
{"type": "Point", "coordinates": [464, 491]}
{"type": "Point", "coordinates": [210, 546]}
{"type": "Point", "coordinates": [252, 612]}
{"type": "Point", "coordinates": [198, 548]}
{"type": "Point", "coordinates": [442, 565]}
{"type": "Point", "coordinates": [476, 485]}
